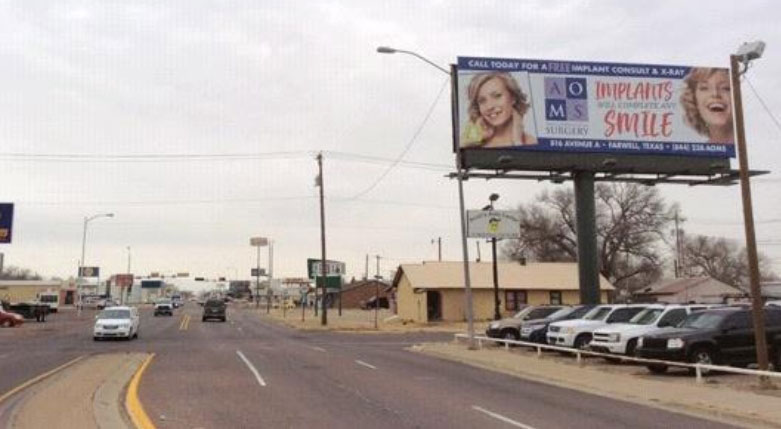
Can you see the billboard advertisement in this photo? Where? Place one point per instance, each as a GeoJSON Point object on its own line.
{"type": "Point", "coordinates": [6, 222]}
{"type": "Point", "coordinates": [89, 271]}
{"type": "Point", "coordinates": [493, 224]}
{"type": "Point", "coordinates": [582, 107]}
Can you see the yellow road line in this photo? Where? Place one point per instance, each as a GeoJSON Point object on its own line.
{"type": "Point", "coordinates": [133, 405]}
{"type": "Point", "coordinates": [185, 322]}
{"type": "Point", "coordinates": [38, 378]}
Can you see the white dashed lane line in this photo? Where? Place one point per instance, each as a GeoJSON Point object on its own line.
{"type": "Point", "coordinates": [367, 365]}
{"type": "Point", "coordinates": [252, 368]}
{"type": "Point", "coordinates": [500, 417]}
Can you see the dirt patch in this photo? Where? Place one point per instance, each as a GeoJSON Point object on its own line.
{"type": "Point", "coordinates": [733, 399]}
{"type": "Point", "coordinates": [352, 320]}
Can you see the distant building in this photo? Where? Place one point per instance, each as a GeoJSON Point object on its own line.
{"type": "Point", "coordinates": [435, 290]}
{"type": "Point", "coordinates": [706, 290]}
{"type": "Point", "coordinates": [28, 290]}
{"type": "Point", "coordinates": [363, 293]}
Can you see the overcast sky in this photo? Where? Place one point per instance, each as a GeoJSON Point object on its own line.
{"type": "Point", "coordinates": [243, 94]}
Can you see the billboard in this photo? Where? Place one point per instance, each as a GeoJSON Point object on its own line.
{"type": "Point", "coordinates": [6, 222]}
{"type": "Point", "coordinates": [568, 107]}
{"type": "Point", "coordinates": [493, 224]}
{"type": "Point", "coordinates": [89, 271]}
{"type": "Point", "coordinates": [258, 241]}
{"type": "Point", "coordinates": [151, 284]}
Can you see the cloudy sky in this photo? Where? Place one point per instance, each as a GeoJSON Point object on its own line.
{"type": "Point", "coordinates": [197, 122]}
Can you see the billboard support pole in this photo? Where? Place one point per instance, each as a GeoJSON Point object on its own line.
{"type": "Point", "coordinates": [588, 262]}
{"type": "Point", "coordinates": [464, 245]}
{"type": "Point", "coordinates": [748, 219]}
{"type": "Point", "coordinates": [324, 311]}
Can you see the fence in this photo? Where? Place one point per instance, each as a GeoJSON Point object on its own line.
{"type": "Point", "coordinates": [698, 367]}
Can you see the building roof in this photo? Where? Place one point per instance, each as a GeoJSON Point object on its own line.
{"type": "Point", "coordinates": [360, 283]}
{"type": "Point", "coordinates": [512, 275]}
{"type": "Point", "coordinates": [676, 286]}
{"type": "Point", "coordinates": [40, 283]}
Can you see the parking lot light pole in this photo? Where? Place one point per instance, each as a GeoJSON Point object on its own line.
{"type": "Point", "coordinates": [460, 176]}
{"type": "Point", "coordinates": [746, 53]}
{"type": "Point", "coordinates": [497, 314]}
{"type": "Point", "coordinates": [80, 279]}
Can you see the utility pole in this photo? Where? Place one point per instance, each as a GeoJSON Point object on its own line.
{"type": "Point", "coordinates": [366, 275]}
{"type": "Point", "coordinates": [377, 293]}
{"type": "Point", "coordinates": [748, 216]}
{"type": "Point", "coordinates": [678, 255]}
{"type": "Point", "coordinates": [324, 311]}
{"type": "Point", "coordinates": [477, 243]}
{"type": "Point", "coordinates": [257, 281]}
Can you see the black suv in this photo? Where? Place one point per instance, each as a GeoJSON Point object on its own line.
{"type": "Point", "coordinates": [536, 331]}
{"type": "Point", "coordinates": [723, 336]}
{"type": "Point", "coordinates": [214, 308]}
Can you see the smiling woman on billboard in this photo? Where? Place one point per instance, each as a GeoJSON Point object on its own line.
{"type": "Point", "coordinates": [497, 107]}
{"type": "Point", "coordinates": [707, 102]}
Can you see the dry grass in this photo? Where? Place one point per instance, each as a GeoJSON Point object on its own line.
{"type": "Point", "coordinates": [360, 321]}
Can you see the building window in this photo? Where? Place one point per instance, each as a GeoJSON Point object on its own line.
{"type": "Point", "coordinates": [514, 299]}
{"type": "Point", "coordinates": [555, 298]}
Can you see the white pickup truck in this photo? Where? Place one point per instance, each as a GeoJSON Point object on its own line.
{"type": "Point", "coordinates": [621, 338]}
{"type": "Point", "coordinates": [52, 299]}
{"type": "Point", "coordinates": [577, 333]}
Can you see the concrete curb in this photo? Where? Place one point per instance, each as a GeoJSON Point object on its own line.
{"type": "Point", "coordinates": [132, 404]}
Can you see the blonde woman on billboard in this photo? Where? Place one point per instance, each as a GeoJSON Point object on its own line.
{"type": "Point", "coordinates": [497, 106]}
{"type": "Point", "coordinates": [707, 103]}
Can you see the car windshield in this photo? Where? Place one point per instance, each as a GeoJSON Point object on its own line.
{"type": "Point", "coordinates": [114, 314]}
{"type": "Point", "coordinates": [215, 303]}
{"type": "Point", "coordinates": [647, 316]}
{"type": "Point", "coordinates": [522, 313]}
{"type": "Point", "coordinates": [561, 312]}
{"type": "Point", "coordinates": [702, 320]}
{"type": "Point", "coordinates": [541, 313]}
{"type": "Point", "coordinates": [599, 313]}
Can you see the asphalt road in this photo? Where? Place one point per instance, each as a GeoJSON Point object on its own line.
{"type": "Point", "coordinates": [252, 373]}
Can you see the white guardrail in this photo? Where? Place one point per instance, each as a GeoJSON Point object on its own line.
{"type": "Point", "coordinates": [698, 367]}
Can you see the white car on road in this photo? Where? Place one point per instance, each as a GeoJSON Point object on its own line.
{"type": "Point", "coordinates": [621, 338]}
{"type": "Point", "coordinates": [577, 333]}
{"type": "Point", "coordinates": [116, 322]}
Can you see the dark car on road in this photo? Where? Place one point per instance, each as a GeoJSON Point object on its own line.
{"type": "Point", "coordinates": [723, 336]}
{"type": "Point", "coordinates": [214, 308]}
{"type": "Point", "coordinates": [535, 331]}
{"type": "Point", "coordinates": [164, 308]}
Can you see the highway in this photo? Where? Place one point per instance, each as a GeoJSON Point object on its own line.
{"type": "Point", "coordinates": [249, 372]}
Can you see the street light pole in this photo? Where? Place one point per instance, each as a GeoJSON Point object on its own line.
{"type": "Point", "coordinates": [80, 279]}
{"type": "Point", "coordinates": [497, 314]}
{"type": "Point", "coordinates": [460, 176]}
{"type": "Point", "coordinates": [746, 53]}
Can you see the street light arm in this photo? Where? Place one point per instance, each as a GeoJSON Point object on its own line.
{"type": "Point", "coordinates": [387, 50]}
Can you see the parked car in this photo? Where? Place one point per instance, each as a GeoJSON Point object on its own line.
{"type": "Point", "coordinates": [536, 330]}
{"type": "Point", "coordinates": [8, 318]}
{"type": "Point", "coordinates": [578, 333]}
{"type": "Point", "coordinates": [510, 328]}
{"type": "Point", "coordinates": [721, 336]}
{"type": "Point", "coordinates": [164, 307]}
{"type": "Point", "coordinates": [116, 322]}
{"type": "Point", "coordinates": [621, 338]}
{"type": "Point", "coordinates": [214, 308]}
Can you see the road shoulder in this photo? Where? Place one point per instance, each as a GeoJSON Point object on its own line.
{"type": "Point", "coordinates": [722, 405]}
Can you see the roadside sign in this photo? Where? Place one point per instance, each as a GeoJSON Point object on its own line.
{"type": "Point", "coordinates": [493, 224]}
{"type": "Point", "coordinates": [6, 222]}
{"type": "Point", "coordinates": [89, 272]}
{"type": "Point", "coordinates": [255, 273]}
{"type": "Point", "coordinates": [332, 268]}
{"type": "Point", "coordinates": [258, 241]}
{"type": "Point", "coordinates": [123, 280]}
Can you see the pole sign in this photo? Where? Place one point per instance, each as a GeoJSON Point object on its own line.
{"type": "Point", "coordinates": [571, 106]}
{"type": "Point", "coordinates": [255, 272]}
{"type": "Point", "coordinates": [332, 268]}
{"type": "Point", "coordinates": [493, 224]}
{"type": "Point", "coordinates": [6, 222]}
{"type": "Point", "coordinates": [89, 272]}
{"type": "Point", "coordinates": [258, 241]}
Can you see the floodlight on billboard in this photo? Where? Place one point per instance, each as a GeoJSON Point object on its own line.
{"type": "Point", "coordinates": [568, 107]}
{"type": "Point", "coordinates": [493, 224]}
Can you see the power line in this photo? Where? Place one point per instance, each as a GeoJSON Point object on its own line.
{"type": "Point", "coordinates": [762, 102]}
{"type": "Point", "coordinates": [409, 144]}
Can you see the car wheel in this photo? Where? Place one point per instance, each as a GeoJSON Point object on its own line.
{"type": "Point", "coordinates": [630, 347]}
{"type": "Point", "coordinates": [95, 339]}
{"type": "Point", "coordinates": [136, 334]}
{"type": "Point", "coordinates": [657, 369]}
{"type": "Point", "coordinates": [510, 334]}
{"type": "Point", "coordinates": [703, 355]}
{"type": "Point", "coordinates": [203, 319]}
{"type": "Point", "coordinates": [581, 342]}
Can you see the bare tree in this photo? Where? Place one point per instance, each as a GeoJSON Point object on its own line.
{"type": "Point", "coordinates": [17, 273]}
{"type": "Point", "coordinates": [721, 259]}
{"type": "Point", "coordinates": [631, 223]}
